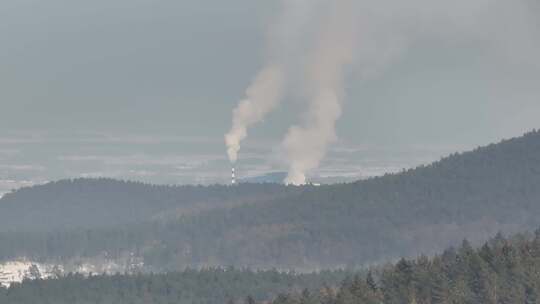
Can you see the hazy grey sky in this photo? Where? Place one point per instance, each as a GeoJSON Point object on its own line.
{"type": "Point", "coordinates": [178, 67]}
{"type": "Point", "coordinates": [124, 65]}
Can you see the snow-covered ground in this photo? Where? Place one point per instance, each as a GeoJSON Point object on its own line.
{"type": "Point", "coordinates": [16, 271]}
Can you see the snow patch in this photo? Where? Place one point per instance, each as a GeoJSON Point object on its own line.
{"type": "Point", "coordinates": [16, 271]}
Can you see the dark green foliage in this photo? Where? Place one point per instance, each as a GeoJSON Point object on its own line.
{"type": "Point", "coordinates": [473, 195]}
{"type": "Point", "coordinates": [510, 274]}
{"type": "Point", "coordinates": [502, 271]}
{"type": "Point", "coordinates": [370, 281]}
{"type": "Point", "coordinates": [210, 286]}
{"type": "Point", "coordinates": [249, 300]}
{"type": "Point", "coordinates": [93, 203]}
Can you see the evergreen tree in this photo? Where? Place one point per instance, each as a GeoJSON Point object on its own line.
{"type": "Point", "coordinates": [249, 300]}
{"type": "Point", "coordinates": [370, 281]}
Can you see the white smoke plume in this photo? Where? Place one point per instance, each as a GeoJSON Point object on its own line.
{"type": "Point", "coordinates": [261, 97]}
{"type": "Point", "coordinates": [350, 36]}
{"type": "Point", "coordinates": [266, 91]}
{"type": "Point", "coordinates": [326, 39]}
{"type": "Point", "coordinates": [369, 35]}
{"type": "Point", "coordinates": [306, 145]}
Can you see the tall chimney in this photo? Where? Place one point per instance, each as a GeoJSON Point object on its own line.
{"type": "Point", "coordinates": [233, 177]}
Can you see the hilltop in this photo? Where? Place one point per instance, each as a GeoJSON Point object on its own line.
{"type": "Point", "coordinates": [99, 203]}
{"type": "Point", "coordinates": [423, 210]}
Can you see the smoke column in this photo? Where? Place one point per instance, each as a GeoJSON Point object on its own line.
{"type": "Point", "coordinates": [267, 89]}
{"type": "Point", "coordinates": [324, 38]}
{"type": "Point", "coordinates": [261, 97]}
{"type": "Point", "coordinates": [306, 144]}
{"type": "Point", "coordinates": [366, 36]}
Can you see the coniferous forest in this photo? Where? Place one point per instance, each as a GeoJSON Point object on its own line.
{"type": "Point", "coordinates": [469, 195]}
{"type": "Point", "coordinates": [216, 285]}
{"type": "Point", "coordinates": [503, 270]}
{"type": "Point", "coordinates": [408, 218]}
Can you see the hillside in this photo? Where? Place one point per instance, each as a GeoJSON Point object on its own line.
{"type": "Point", "coordinates": [92, 203]}
{"type": "Point", "coordinates": [470, 195]}
{"type": "Point", "coordinates": [503, 270]}
{"type": "Point", "coordinates": [208, 286]}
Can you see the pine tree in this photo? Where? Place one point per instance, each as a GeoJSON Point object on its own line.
{"type": "Point", "coordinates": [440, 289]}
{"type": "Point", "coordinates": [370, 281]}
{"type": "Point", "coordinates": [33, 273]}
{"type": "Point", "coordinates": [306, 297]}
{"type": "Point", "coordinates": [531, 297]}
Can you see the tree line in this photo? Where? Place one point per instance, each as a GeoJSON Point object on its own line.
{"type": "Point", "coordinates": [502, 271]}
{"type": "Point", "coordinates": [469, 195]}
{"type": "Point", "coordinates": [206, 286]}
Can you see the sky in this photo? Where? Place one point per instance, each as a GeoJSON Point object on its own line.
{"type": "Point", "coordinates": [144, 89]}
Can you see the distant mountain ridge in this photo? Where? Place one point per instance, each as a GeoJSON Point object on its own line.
{"type": "Point", "coordinates": [92, 203]}
{"type": "Point", "coordinates": [468, 195]}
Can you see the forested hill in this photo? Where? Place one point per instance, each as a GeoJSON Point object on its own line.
{"type": "Point", "coordinates": [207, 286]}
{"type": "Point", "coordinates": [503, 270]}
{"type": "Point", "coordinates": [92, 203]}
{"type": "Point", "coordinates": [471, 195]}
